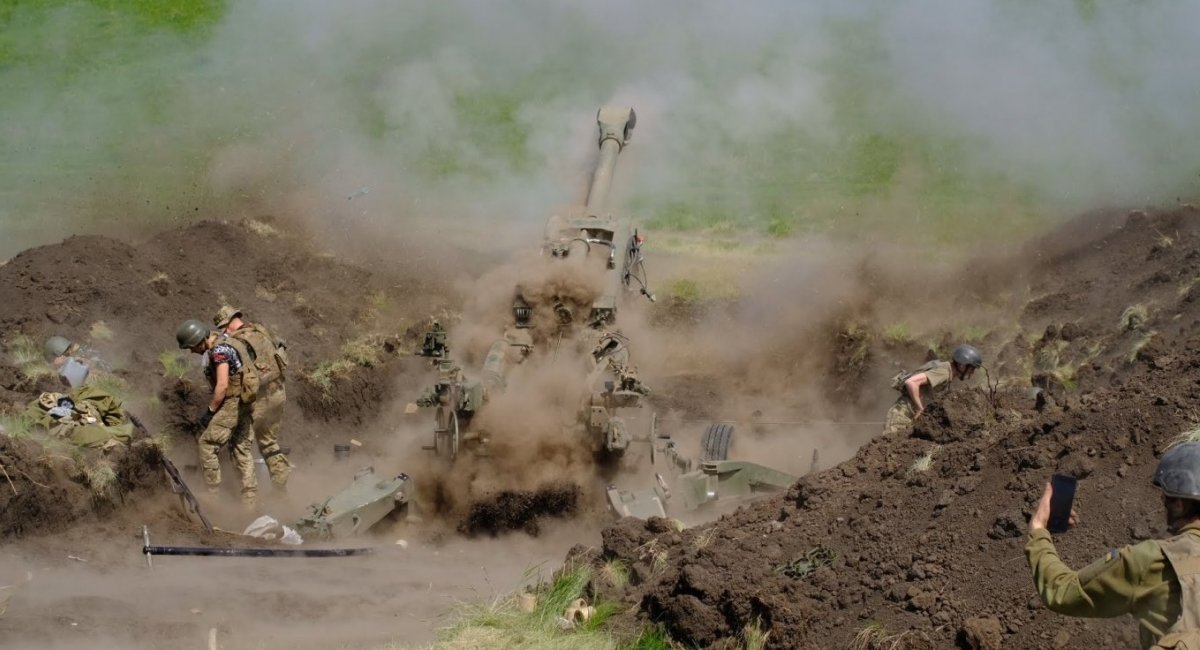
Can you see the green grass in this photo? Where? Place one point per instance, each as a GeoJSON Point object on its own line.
{"type": "Point", "coordinates": [16, 425]}
{"type": "Point", "coordinates": [364, 351]}
{"type": "Point", "coordinates": [110, 383]}
{"type": "Point", "coordinates": [174, 364]}
{"type": "Point", "coordinates": [502, 624]}
{"type": "Point", "coordinates": [1142, 342]}
{"type": "Point", "coordinates": [1134, 317]}
{"type": "Point", "coordinates": [615, 573]}
{"type": "Point", "coordinates": [684, 290]}
{"type": "Point", "coordinates": [28, 356]}
{"type": "Point", "coordinates": [971, 333]}
{"type": "Point", "coordinates": [652, 638]}
{"type": "Point", "coordinates": [1191, 435]}
{"type": "Point", "coordinates": [897, 334]}
{"type": "Point", "coordinates": [924, 462]}
{"type": "Point", "coordinates": [100, 331]}
{"type": "Point", "coordinates": [100, 477]}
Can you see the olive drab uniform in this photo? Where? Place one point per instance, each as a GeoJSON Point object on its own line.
{"type": "Point", "coordinates": [1156, 581]}
{"type": "Point", "coordinates": [86, 417]}
{"type": "Point", "coordinates": [267, 412]}
{"type": "Point", "coordinates": [900, 417]}
{"type": "Point", "coordinates": [231, 423]}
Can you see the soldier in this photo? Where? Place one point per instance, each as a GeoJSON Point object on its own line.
{"type": "Point", "coordinates": [930, 378]}
{"type": "Point", "coordinates": [266, 414]}
{"type": "Point", "coordinates": [226, 420]}
{"type": "Point", "coordinates": [1157, 581]}
{"type": "Point", "coordinates": [73, 363]}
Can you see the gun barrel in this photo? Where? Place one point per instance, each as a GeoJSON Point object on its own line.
{"type": "Point", "coordinates": [616, 127]}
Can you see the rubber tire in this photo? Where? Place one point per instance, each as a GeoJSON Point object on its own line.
{"type": "Point", "coordinates": [715, 443]}
{"type": "Point", "coordinates": [446, 439]}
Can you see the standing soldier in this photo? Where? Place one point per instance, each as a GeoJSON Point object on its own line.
{"type": "Point", "coordinates": [226, 420]}
{"type": "Point", "coordinates": [267, 413]}
{"type": "Point", "coordinates": [1156, 581]}
{"type": "Point", "coordinates": [929, 379]}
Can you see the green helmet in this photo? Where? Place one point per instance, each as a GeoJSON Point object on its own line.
{"type": "Point", "coordinates": [191, 333]}
{"type": "Point", "coordinates": [56, 346]}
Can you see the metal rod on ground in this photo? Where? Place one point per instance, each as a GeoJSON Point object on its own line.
{"type": "Point", "coordinates": [150, 551]}
{"type": "Point", "coordinates": [846, 423]}
{"type": "Point", "coordinates": [254, 552]}
{"type": "Point", "coordinates": [812, 468]}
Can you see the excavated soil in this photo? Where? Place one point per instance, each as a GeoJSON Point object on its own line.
{"type": "Point", "coordinates": [934, 558]}
{"type": "Point", "coordinates": [1103, 319]}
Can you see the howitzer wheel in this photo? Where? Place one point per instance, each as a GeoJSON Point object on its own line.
{"type": "Point", "coordinates": [715, 443]}
{"type": "Point", "coordinates": [445, 436]}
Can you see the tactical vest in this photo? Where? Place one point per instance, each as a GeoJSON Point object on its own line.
{"type": "Point", "coordinates": [245, 383]}
{"type": "Point", "coordinates": [268, 358]}
{"type": "Point", "coordinates": [1183, 552]}
{"type": "Point", "coordinates": [899, 378]}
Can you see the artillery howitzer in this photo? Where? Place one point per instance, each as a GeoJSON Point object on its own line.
{"type": "Point", "coordinates": [609, 249]}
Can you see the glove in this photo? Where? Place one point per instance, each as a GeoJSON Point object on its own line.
{"type": "Point", "coordinates": [205, 418]}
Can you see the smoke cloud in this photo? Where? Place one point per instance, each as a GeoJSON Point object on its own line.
{"type": "Point", "coordinates": [771, 115]}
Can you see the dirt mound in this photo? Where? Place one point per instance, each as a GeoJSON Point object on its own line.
{"type": "Point", "coordinates": [45, 491]}
{"type": "Point", "coordinates": [138, 293]}
{"type": "Point", "coordinates": [917, 541]}
{"type": "Point", "coordinates": [520, 510]}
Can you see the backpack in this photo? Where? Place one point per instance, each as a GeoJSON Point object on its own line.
{"type": "Point", "coordinates": [270, 358]}
{"type": "Point", "coordinates": [1183, 552]}
{"type": "Point", "coordinates": [251, 381]}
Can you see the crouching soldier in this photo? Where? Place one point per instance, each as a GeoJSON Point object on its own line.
{"type": "Point", "coordinates": [72, 362]}
{"type": "Point", "coordinates": [266, 415]}
{"type": "Point", "coordinates": [226, 420]}
{"type": "Point", "coordinates": [923, 383]}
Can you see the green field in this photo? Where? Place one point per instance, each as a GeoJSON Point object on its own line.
{"type": "Point", "coordinates": [155, 112]}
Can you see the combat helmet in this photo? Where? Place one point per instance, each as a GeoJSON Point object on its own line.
{"type": "Point", "coordinates": [1178, 471]}
{"type": "Point", "coordinates": [191, 333]}
{"type": "Point", "coordinates": [56, 346]}
{"type": "Point", "coordinates": [224, 315]}
{"type": "Point", "coordinates": [967, 355]}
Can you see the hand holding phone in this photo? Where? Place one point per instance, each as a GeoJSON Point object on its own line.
{"type": "Point", "coordinates": [1053, 511]}
{"type": "Point", "coordinates": [1062, 496]}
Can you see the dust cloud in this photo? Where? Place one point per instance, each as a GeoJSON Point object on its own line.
{"type": "Point", "coordinates": [368, 118]}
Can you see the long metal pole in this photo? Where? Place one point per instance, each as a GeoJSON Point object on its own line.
{"type": "Point", "coordinates": [255, 552]}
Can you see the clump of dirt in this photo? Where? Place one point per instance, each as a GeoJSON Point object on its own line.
{"type": "Point", "coordinates": [917, 541]}
{"type": "Point", "coordinates": [520, 509]}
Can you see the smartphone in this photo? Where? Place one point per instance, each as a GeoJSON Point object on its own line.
{"type": "Point", "coordinates": [1061, 497]}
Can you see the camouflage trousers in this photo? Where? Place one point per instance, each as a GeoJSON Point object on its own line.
{"type": "Point", "coordinates": [229, 426]}
{"type": "Point", "coordinates": [900, 417]}
{"type": "Point", "coordinates": [266, 415]}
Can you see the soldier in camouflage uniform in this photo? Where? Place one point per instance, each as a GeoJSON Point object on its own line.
{"type": "Point", "coordinates": [928, 380]}
{"type": "Point", "coordinates": [1156, 581]}
{"type": "Point", "coordinates": [267, 412]}
{"type": "Point", "coordinates": [226, 420]}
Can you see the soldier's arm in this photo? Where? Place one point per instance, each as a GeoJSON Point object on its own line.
{"type": "Point", "coordinates": [913, 385]}
{"type": "Point", "coordinates": [221, 385]}
{"type": "Point", "coordinates": [1103, 589]}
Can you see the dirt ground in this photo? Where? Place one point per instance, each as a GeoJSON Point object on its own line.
{"type": "Point", "coordinates": [1100, 314]}
{"type": "Point", "coordinates": [934, 558]}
